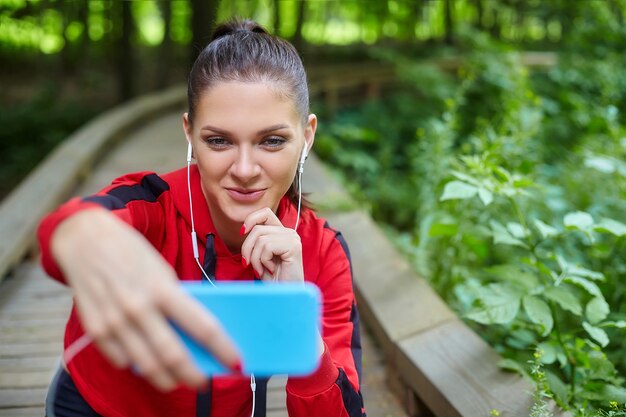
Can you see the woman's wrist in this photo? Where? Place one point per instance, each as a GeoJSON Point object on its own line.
{"type": "Point", "coordinates": [68, 233]}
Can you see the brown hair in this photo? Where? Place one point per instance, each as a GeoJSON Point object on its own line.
{"type": "Point", "coordinates": [242, 50]}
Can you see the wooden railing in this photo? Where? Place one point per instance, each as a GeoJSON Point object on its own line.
{"type": "Point", "coordinates": [435, 363]}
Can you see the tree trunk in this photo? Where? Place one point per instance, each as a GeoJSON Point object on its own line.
{"type": "Point", "coordinates": [495, 25]}
{"type": "Point", "coordinates": [277, 17]}
{"type": "Point", "coordinates": [479, 14]}
{"type": "Point", "coordinates": [67, 67]}
{"type": "Point", "coordinates": [203, 17]}
{"type": "Point", "coordinates": [165, 49]}
{"type": "Point", "coordinates": [125, 65]}
{"type": "Point", "coordinates": [298, 39]}
{"type": "Point", "coordinates": [520, 11]}
{"type": "Point", "coordinates": [616, 8]}
{"type": "Point", "coordinates": [449, 21]}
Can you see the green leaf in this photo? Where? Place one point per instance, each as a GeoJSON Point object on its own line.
{"type": "Point", "coordinates": [501, 235]}
{"type": "Point", "coordinates": [549, 351]}
{"type": "Point", "coordinates": [500, 304]}
{"type": "Point", "coordinates": [600, 366]}
{"type": "Point", "coordinates": [614, 393]}
{"type": "Point", "coordinates": [539, 312]}
{"type": "Point", "coordinates": [587, 285]}
{"type": "Point", "coordinates": [502, 174]}
{"type": "Point", "coordinates": [557, 386]}
{"type": "Point", "coordinates": [466, 178]}
{"type": "Point", "coordinates": [517, 230]}
{"type": "Point", "coordinates": [597, 310]}
{"type": "Point", "coordinates": [485, 196]}
{"type": "Point", "coordinates": [514, 366]}
{"type": "Point", "coordinates": [545, 230]}
{"type": "Point", "coordinates": [596, 334]}
{"type": "Point", "coordinates": [578, 220]}
{"type": "Point", "coordinates": [620, 324]}
{"type": "Point", "coordinates": [579, 271]}
{"type": "Point", "coordinates": [458, 190]}
{"type": "Point", "coordinates": [514, 274]}
{"type": "Point", "coordinates": [600, 163]}
{"type": "Point", "coordinates": [611, 226]}
{"type": "Point", "coordinates": [565, 299]}
{"type": "Point", "coordinates": [443, 229]}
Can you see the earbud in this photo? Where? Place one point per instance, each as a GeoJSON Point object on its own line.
{"type": "Point", "coordinates": [303, 156]}
{"type": "Point", "coordinates": [189, 152]}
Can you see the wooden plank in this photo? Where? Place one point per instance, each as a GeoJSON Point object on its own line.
{"type": "Point", "coordinates": [22, 397]}
{"type": "Point", "coordinates": [25, 379]}
{"type": "Point", "coordinates": [23, 350]}
{"type": "Point", "coordinates": [396, 297]}
{"type": "Point", "coordinates": [22, 412]}
{"type": "Point", "coordinates": [30, 363]}
{"type": "Point", "coordinates": [455, 373]}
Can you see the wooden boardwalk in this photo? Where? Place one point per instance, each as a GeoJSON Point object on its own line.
{"type": "Point", "coordinates": [34, 308]}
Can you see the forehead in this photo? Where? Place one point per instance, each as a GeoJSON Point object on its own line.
{"type": "Point", "coordinates": [245, 101]}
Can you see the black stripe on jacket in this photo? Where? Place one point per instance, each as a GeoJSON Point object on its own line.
{"type": "Point", "coordinates": [352, 399]}
{"type": "Point", "coordinates": [149, 189]}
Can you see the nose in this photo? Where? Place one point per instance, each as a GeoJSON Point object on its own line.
{"type": "Point", "coordinates": [245, 167]}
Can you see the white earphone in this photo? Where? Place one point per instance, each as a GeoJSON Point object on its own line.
{"type": "Point", "coordinates": [303, 157]}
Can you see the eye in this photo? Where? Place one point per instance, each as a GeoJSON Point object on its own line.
{"type": "Point", "coordinates": [273, 142]}
{"type": "Point", "coordinates": [217, 142]}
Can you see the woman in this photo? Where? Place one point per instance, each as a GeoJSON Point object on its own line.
{"type": "Point", "coordinates": [122, 250]}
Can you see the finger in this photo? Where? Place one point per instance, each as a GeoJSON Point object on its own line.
{"type": "Point", "coordinates": [263, 216]}
{"type": "Point", "coordinates": [171, 352]}
{"type": "Point", "coordinates": [114, 351]}
{"type": "Point", "coordinates": [144, 359]}
{"type": "Point", "coordinates": [201, 325]}
{"type": "Point", "coordinates": [262, 255]}
{"type": "Point", "coordinates": [267, 276]}
{"type": "Point", "coordinates": [252, 240]}
{"type": "Point", "coordinates": [99, 318]}
{"type": "Point", "coordinates": [136, 312]}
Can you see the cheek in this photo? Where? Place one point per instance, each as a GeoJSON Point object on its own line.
{"type": "Point", "coordinates": [212, 169]}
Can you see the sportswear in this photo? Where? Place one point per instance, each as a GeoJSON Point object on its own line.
{"type": "Point", "coordinates": [158, 207]}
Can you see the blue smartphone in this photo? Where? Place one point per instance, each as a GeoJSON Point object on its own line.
{"type": "Point", "coordinates": [274, 325]}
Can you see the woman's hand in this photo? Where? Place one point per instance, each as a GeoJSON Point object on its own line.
{"type": "Point", "coordinates": [125, 293]}
{"type": "Point", "coordinates": [273, 250]}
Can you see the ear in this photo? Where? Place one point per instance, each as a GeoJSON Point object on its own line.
{"type": "Point", "coordinates": [187, 129]}
{"type": "Point", "coordinates": [309, 132]}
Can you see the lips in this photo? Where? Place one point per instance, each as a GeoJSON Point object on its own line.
{"type": "Point", "coordinates": [245, 194]}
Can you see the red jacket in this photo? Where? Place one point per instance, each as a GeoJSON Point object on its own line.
{"type": "Point", "coordinates": [158, 207]}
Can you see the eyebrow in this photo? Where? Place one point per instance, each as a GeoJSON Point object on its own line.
{"type": "Point", "coordinates": [269, 129]}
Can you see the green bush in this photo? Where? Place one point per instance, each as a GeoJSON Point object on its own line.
{"type": "Point", "coordinates": [510, 201]}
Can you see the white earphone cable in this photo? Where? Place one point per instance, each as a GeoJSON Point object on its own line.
{"type": "Point", "coordinates": [299, 199]}
{"type": "Point", "coordinates": [194, 238]}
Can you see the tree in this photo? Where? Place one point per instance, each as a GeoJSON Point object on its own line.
{"type": "Point", "coordinates": [298, 39]}
{"type": "Point", "coordinates": [125, 64]}
{"type": "Point", "coordinates": [203, 17]}
{"type": "Point", "coordinates": [449, 21]}
{"type": "Point", "coordinates": [165, 53]}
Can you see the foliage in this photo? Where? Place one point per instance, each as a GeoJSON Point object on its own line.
{"type": "Point", "coordinates": [519, 192]}
{"type": "Point", "coordinates": [30, 130]}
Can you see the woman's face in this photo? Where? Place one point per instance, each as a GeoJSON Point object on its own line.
{"type": "Point", "coordinates": [247, 142]}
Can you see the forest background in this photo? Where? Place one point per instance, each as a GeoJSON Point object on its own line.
{"type": "Point", "coordinates": [504, 184]}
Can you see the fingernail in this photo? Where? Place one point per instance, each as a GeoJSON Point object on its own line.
{"type": "Point", "coordinates": [244, 262]}
{"type": "Point", "coordinates": [236, 367]}
{"type": "Point", "coordinates": [256, 274]}
{"type": "Point", "coordinates": [242, 231]}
